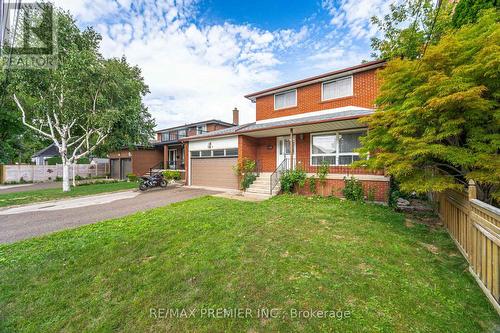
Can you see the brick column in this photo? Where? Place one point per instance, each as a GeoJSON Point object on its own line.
{"type": "Point", "coordinates": [165, 156]}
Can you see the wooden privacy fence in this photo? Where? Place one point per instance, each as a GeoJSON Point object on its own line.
{"type": "Point", "coordinates": [475, 227]}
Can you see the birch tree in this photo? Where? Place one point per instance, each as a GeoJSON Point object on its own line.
{"type": "Point", "coordinates": [78, 104]}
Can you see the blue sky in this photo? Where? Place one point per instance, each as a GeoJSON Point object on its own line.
{"type": "Point", "coordinates": [199, 57]}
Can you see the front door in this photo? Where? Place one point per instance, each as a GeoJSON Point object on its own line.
{"type": "Point", "coordinates": [283, 150]}
{"type": "Point", "coordinates": [172, 158]}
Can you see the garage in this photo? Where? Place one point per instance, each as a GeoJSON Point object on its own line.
{"type": "Point", "coordinates": [214, 172]}
{"type": "Point", "coordinates": [212, 161]}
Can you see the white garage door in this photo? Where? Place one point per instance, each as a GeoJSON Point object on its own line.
{"type": "Point", "coordinates": [214, 172]}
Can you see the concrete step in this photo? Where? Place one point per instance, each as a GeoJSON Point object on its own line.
{"type": "Point", "coordinates": [260, 186]}
{"type": "Point", "coordinates": [258, 190]}
{"type": "Point", "coordinates": [256, 196]}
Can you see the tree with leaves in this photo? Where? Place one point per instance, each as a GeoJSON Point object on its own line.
{"type": "Point", "coordinates": [408, 27]}
{"type": "Point", "coordinates": [466, 11]}
{"type": "Point", "coordinates": [438, 121]}
{"type": "Point", "coordinates": [81, 103]}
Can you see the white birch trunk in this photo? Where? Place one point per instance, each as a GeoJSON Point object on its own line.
{"type": "Point", "coordinates": [74, 173]}
{"type": "Point", "coordinates": [66, 187]}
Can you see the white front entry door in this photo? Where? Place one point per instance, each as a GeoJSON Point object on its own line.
{"type": "Point", "coordinates": [283, 150]}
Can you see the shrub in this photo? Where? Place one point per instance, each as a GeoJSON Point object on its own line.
{"type": "Point", "coordinates": [248, 180]}
{"type": "Point", "coordinates": [353, 190]}
{"type": "Point", "coordinates": [100, 181]}
{"type": "Point", "coordinates": [78, 177]}
{"type": "Point", "coordinates": [291, 179]}
{"type": "Point", "coordinates": [322, 172]}
{"type": "Point", "coordinates": [132, 177]}
{"type": "Point", "coordinates": [172, 175]}
{"type": "Point", "coordinates": [245, 169]}
{"type": "Point", "coordinates": [312, 185]}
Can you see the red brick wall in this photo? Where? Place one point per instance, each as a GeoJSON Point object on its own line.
{"type": "Point", "coordinates": [143, 159]}
{"type": "Point", "coordinates": [247, 148]}
{"type": "Point", "coordinates": [309, 98]}
{"type": "Point", "coordinates": [266, 153]}
{"type": "Point", "coordinates": [335, 186]}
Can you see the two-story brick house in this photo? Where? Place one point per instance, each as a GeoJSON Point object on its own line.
{"type": "Point", "coordinates": [299, 124]}
{"type": "Point", "coordinates": [166, 153]}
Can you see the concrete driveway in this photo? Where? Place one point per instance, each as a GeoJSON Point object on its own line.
{"type": "Point", "coordinates": [33, 220]}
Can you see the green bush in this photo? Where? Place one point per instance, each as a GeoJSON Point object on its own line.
{"type": "Point", "coordinates": [312, 185]}
{"type": "Point", "coordinates": [132, 177]}
{"type": "Point", "coordinates": [245, 171]}
{"type": "Point", "coordinates": [54, 160]}
{"type": "Point", "coordinates": [78, 177]}
{"type": "Point", "coordinates": [291, 179]}
{"type": "Point", "coordinates": [248, 180]}
{"type": "Point", "coordinates": [172, 175]}
{"type": "Point", "coordinates": [353, 190]}
{"type": "Point", "coordinates": [101, 181]}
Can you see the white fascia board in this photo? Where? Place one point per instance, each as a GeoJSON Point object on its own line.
{"type": "Point", "coordinates": [313, 113]}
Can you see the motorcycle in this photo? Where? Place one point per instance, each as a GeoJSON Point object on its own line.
{"type": "Point", "coordinates": [154, 180]}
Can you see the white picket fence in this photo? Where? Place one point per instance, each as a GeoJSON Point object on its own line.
{"type": "Point", "coordinates": [43, 173]}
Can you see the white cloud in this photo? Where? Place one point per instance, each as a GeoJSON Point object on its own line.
{"type": "Point", "coordinates": [194, 72]}
{"type": "Point", "coordinates": [355, 15]}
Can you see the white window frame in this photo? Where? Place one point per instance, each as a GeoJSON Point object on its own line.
{"type": "Point", "coordinates": [337, 148]}
{"type": "Point", "coordinates": [212, 153]}
{"type": "Point", "coordinates": [283, 93]}
{"type": "Point", "coordinates": [335, 80]}
{"type": "Point", "coordinates": [184, 133]}
{"type": "Point", "coordinates": [203, 129]}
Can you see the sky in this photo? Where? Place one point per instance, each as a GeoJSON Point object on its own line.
{"type": "Point", "coordinates": [199, 58]}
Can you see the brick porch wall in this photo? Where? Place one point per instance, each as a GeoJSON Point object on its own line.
{"type": "Point", "coordinates": [264, 150]}
{"type": "Point", "coordinates": [334, 187]}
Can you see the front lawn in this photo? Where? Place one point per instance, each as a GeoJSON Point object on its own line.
{"type": "Point", "coordinates": [26, 197]}
{"type": "Point", "coordinates": [289, 253]}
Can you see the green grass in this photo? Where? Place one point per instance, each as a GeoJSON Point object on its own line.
{"type": "Point", "coordinates": [287, 253]}
{"type": "Point", "coordinates": [26, 197]}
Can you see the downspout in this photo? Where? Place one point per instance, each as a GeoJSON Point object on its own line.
{"type": "Point", "coordinates": [291, 149]}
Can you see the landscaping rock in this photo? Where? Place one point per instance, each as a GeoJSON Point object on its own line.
{"type": "Point", "coordinates": [402, 202]}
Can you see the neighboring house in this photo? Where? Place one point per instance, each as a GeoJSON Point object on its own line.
{"type": "Point", "coordinates": [167, 153]}
{"type": "Point", "coordinates": [41, 156]}
{"type": "Point", "coordinates": [321, 115]}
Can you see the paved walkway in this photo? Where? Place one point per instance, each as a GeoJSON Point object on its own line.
{"type": "Point", "coordinates": [33, 220]}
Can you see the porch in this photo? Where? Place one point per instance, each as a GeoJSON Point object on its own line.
{"type": "Point", "coordinates": [307, 147]}
{"type": "Point", "coordinates": [173, 159]}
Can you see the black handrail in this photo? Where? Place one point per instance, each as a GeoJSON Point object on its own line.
{"type": "Point", "coordinates": [276, 175]}
{"type": "Point", "coordinates": [155, 167]}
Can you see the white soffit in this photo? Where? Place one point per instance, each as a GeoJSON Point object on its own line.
{"type": "Point", "coordinates": [310, 128]}
{"type": "Point", "coordinates": [314, 113]}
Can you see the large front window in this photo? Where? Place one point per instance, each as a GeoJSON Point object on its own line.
{"type": "Point", "coordinates": [335, 148]}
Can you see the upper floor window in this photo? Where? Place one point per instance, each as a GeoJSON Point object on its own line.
{"type": "Point", "coordinates": [285, 99]}
{"type": "Point", "coordinates": [200, 129]}
{"type": "Point", "coordinates": [337, 88]}
{"type": "Point", "coordinates": [165, 136]}
{"type": "Point", "coordinates": [182, 133]}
